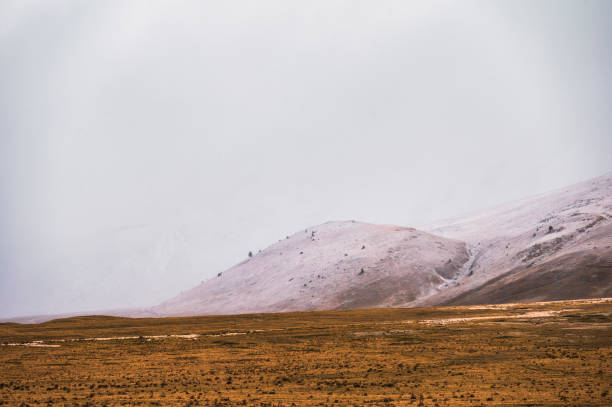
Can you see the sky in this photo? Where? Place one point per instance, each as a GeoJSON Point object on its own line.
{"type": "Point", "coordinates": [148, 145]}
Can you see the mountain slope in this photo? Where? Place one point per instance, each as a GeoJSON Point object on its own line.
{"type": "Point", "coordinates": [552, 246]}
{"type": "Point", "coordinates": [336, 265]}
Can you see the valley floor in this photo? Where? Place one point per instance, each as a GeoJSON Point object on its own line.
{"type": "Point", "coordinates": [555, 353]}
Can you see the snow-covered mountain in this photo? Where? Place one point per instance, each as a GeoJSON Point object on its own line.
{"type": "Point", "coordinates": [336, 265]}
{"type": "Point", "coordinates": [552, 246]}
{"type": "Point", "coordinates": [549, 247]}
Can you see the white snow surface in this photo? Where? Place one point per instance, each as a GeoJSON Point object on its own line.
{"type": "Point", "coordinates": [321, 268]}
{"type": "Point", "coordinates": [577, 218]}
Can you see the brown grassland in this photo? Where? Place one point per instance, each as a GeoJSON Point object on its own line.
{"type": "Point", "coordinates": [524, 354]}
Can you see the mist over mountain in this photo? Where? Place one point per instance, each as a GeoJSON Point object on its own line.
{"type": "Point", "coordinates": [554, 246]}
{"type": "Point", "coordinates": [148, 146]}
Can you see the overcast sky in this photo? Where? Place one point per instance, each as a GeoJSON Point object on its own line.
{"type": "Point", "coordinates": [145, 145]}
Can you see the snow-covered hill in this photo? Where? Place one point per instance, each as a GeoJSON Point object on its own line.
{"type": "Point", "coordinates": [552, 246]}
{"type": "Point", "coordinates": [549, 247]}
{"type": "Point", "coordinates": [331, 266]}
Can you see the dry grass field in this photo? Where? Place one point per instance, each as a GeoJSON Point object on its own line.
{"type": "Point", "coordinates": [518, 355]}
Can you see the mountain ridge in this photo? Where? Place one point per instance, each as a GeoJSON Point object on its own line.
{"type": "Point", "coordinates": [551, 246]}
{"type": "Point", "coordinates": [513, 242]}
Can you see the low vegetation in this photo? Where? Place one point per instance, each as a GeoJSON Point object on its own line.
{"type": "Point", "coordinates": [524, 354]}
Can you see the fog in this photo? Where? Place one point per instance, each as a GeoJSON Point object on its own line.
{"type": "Point", "coordinates": [146, 146]}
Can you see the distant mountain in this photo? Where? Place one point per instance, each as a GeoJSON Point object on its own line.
{"type": "Point", "coordinates": [549, 247]}
{"type": "Point", "coordinates": [553, 246]}
{"type": "Point", "coordinates": [337, 265]}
